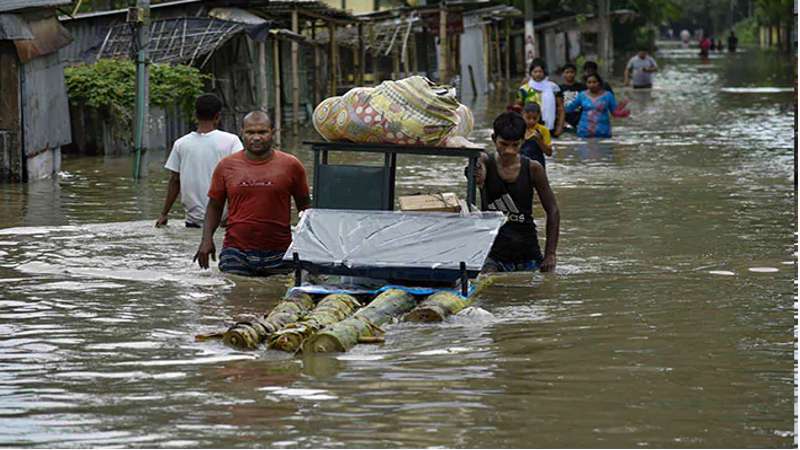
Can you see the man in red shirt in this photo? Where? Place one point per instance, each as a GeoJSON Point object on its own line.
{"type": "Point", "coordinates": [258, 184]}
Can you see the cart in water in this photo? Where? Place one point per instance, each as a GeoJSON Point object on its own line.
{"type": "Point", "coordinates": [359, 265]}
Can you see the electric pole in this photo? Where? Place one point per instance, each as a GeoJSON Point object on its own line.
{"type": "Point", "coordinates": [141, 17]}
{"type": "Point", "coordinates": [530, 35]}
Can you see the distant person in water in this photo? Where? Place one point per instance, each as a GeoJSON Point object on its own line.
{"type": "Point", "coordinates": [720, 47]}
{"type": "Point", "coordinates": [570, 89]}
{"type": "Point", "coordinates": [713, 44]}
{"type": "Point", "coordinates": [733, 41]}
{"type": "Point", "coordinates": [705, 45]}
{"type": "Point", "coordinates": [596, 106]}
{"type": "Point", "coordinates": [685, 36]}
{"type": "Point", "coordinates": [507, 181]}
{"type": "Point", "coordinates": [537, 141]}
{"type": "Point", "coordinates": [641, 67]}
{"type": "Point", "coordinates": [539, 89]}
{"type": "Point", "coordinates": [193, 159]}
{"type": "Point", "coordinates": [258, 184]}
{"type": "Point", "coordinates": [591, 68]}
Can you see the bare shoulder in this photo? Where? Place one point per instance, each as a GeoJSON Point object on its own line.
{"type": "Point", "coordinates": [538, 172]}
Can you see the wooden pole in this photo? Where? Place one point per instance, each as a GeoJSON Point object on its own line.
{"type": "Point", "coordinates": [604, 36]}
{"type": "Point", "coordinates": [414, 62]}
{"type": "Point", "coordinates": [276, 64]}
{"type": "Point", "coordinates": [362, 57]}
{"type": "Point", "coordinates": [356, 63]}
{"type": "Point", "coordinates": [317, 64]}
{"type": "Point", "coordinates": [508, 50]}
{"type": "Point", "coordinates": [263, 90]}
{"type": "Point", "coordinates": [332, 57]}
{"type": "Point", "coordinates": [295, 76]}
{"type": "Point", "coordinates": [498, 56]}
{"type": "Point", "coordinates": [454, 45]}
{"type": "Point", "coordinates": [487, 60]}
{"type": "Point", "coordinates": [443, 53]}
{"type": "Point", "coordinates": [406, 68]}
{"type": "Point", "coordinates": [373, 70]}
{"type": "Point", "coordinates": [396, 65]}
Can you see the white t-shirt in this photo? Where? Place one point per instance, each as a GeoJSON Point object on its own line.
{"type": "Point", "coordinates": [194, 157]}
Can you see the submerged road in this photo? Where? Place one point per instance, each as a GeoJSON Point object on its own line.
{"type": "Point", "coordinates": [669, 321]}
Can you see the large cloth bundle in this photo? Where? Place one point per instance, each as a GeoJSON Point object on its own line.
{"type": "Point", "coordinates": [412, 111]}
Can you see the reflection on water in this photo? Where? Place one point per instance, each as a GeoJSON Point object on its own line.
{"type": "Point", "coordinates": [669, 321]}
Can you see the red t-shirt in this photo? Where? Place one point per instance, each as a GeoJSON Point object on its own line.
{"type": "Point", "coordinates": [259, 199]}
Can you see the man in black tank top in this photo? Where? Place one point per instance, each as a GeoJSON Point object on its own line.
{"type": "Point", "coordinates": [507, 181]}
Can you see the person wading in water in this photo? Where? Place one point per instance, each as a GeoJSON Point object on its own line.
{"type": "Point", "coordinates": [193, 159]}
{"type": "Point", "coordinates": [507, 181]}
{"type": "Point", "coordinates": [258, 185]}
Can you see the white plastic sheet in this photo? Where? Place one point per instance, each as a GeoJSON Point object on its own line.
{"type": "Point", "coordinates": [393, 244]}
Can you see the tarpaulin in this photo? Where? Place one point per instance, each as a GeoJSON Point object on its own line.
{"type": "Point", "coordinates": [393, 245]}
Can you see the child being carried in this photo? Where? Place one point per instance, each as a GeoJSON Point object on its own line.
{"type": "Point", "coordinates": [537, 137]}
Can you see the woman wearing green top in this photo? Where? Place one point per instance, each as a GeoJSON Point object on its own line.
{"type": "Point", "coordinates": [540, 90]}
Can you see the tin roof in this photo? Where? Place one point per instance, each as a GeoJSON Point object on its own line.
{"type": "Point", "coordinates": [311, 8]}
{"type": "Point", "coordinates": [12, 27]}
{"type": "Point", "coordinates": [15, 5]}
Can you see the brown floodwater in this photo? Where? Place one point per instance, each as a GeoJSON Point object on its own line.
{"type": "Point", "coordinates": [668, 323]}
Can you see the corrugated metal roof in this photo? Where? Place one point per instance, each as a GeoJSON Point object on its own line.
{"type": "Point", "coordinates": [124, 11]}
{"type": "Point", "coordinates": [14, 5]}
{"type": "Point", "coordinates": [12, 27]}
{"type": "Point", "coordinates": [236, 15]}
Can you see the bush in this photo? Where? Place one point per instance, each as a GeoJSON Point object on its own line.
{"type": "Point", "coordinates": [110, 84]}
{"type": "Point", "coordinates": [746, 31]}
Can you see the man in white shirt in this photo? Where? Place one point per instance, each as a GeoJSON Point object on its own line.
{"type": "Point", "coordinates": [193, 159]}
{"type": "Point", "coordinates": [643, 66]}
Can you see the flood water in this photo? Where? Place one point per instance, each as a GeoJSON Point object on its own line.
{"type": "Point", "coordinates": [668, 323]}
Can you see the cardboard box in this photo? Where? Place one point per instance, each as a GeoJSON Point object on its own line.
{"type": "Point", "coordinates": [445, 202]}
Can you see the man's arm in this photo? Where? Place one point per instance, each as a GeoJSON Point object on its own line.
{"type": "Point", "coordinates": [548, 200]}
{"type": "Point", "coordinates": [560, 116]}
{"type": "Point", "coordinates": [628, 70]}
{"type": "Point", "coordinates": [653, 66]}
{"type": "Point", "coordinates": [173, 189]}
{"type": "Point", "coordinates": [210, 225]}
{"type": "Point", "coordinates": [300, 191]}
{"type": "Point", "coordinates": [480, 170]}
{"type": "Point", "coordinates": [546, 143]}
{"type": "Point", "coordinates": [302, 203]}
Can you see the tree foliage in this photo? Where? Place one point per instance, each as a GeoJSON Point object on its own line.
{"type": "Point", "coordinates": [109, 85]}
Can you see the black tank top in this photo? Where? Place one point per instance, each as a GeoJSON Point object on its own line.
{"type": "Point", "coordinates": [517, 240]}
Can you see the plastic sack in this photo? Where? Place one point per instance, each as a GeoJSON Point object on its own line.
{"type": "Point", "coordinates": [412, 111]}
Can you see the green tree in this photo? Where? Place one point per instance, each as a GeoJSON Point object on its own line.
{"type": "Point", "coordinates": [108, 86]}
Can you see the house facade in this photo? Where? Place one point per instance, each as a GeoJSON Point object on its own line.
{"type": "Point", "coordinates": [34, 113]}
